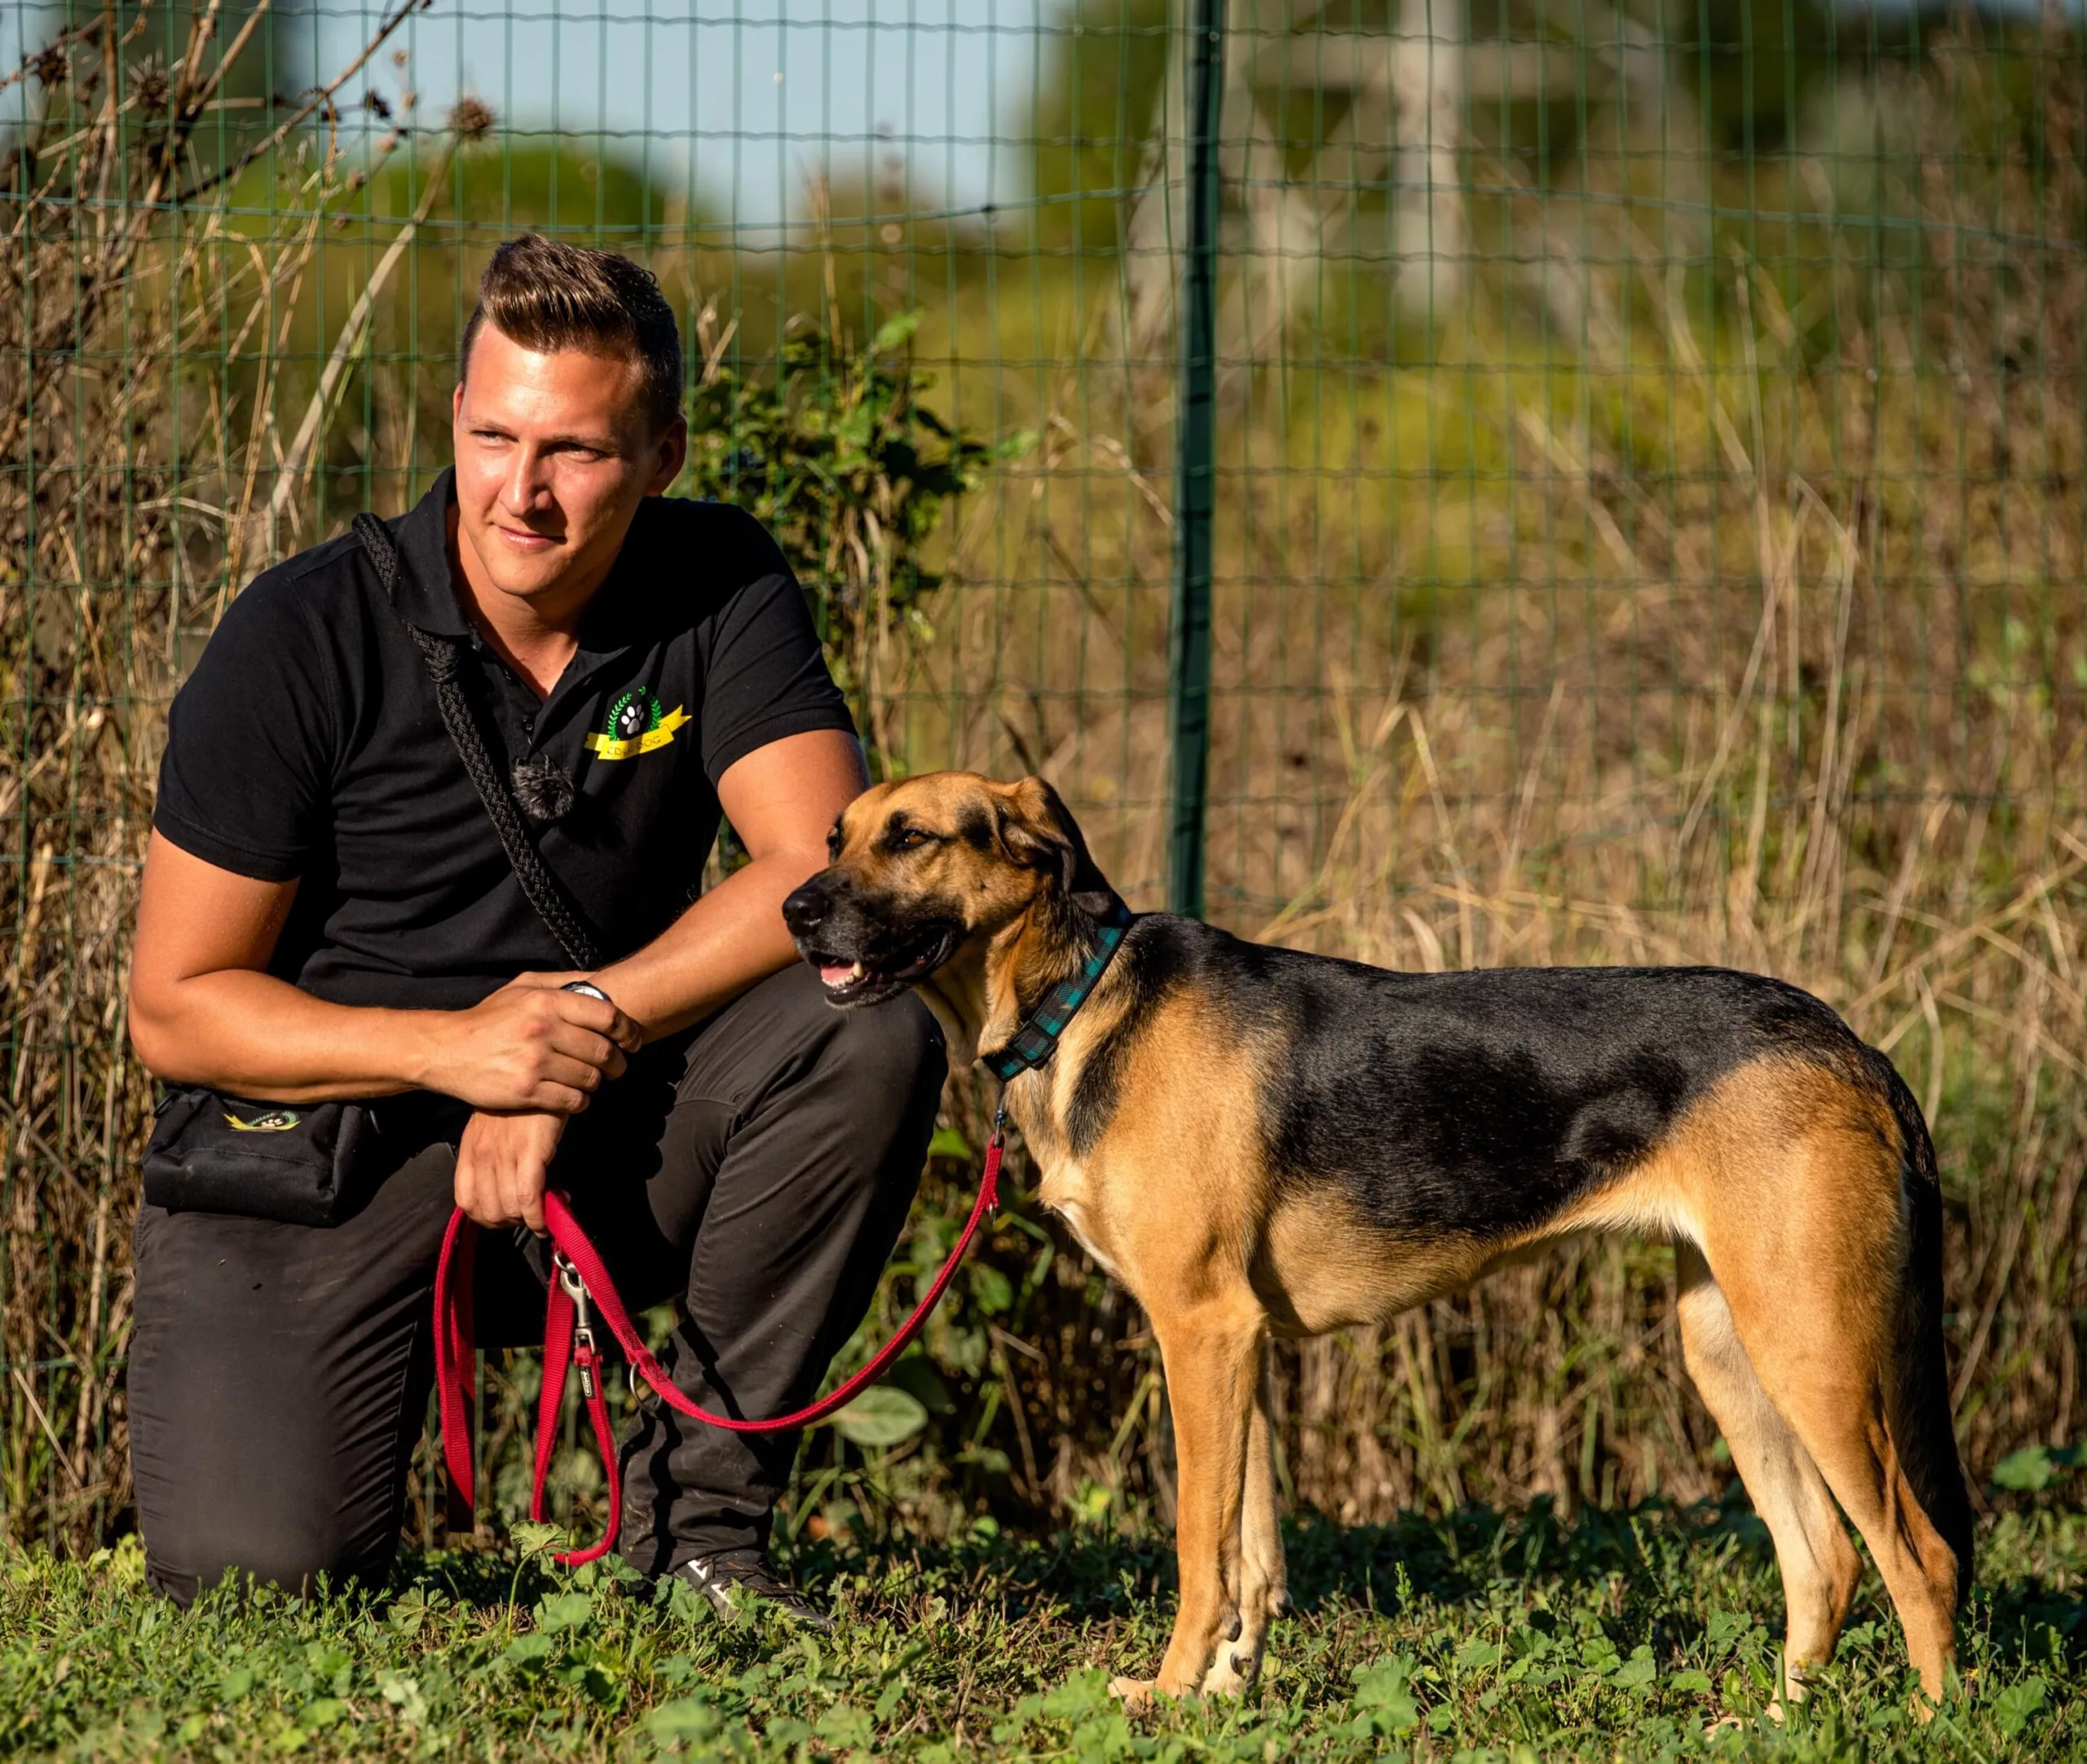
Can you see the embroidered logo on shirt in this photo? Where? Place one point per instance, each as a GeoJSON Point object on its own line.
{"type": "Point", "coordinates": [636, 725]}
{"type": "Point", "coordinates": [275, 1121]}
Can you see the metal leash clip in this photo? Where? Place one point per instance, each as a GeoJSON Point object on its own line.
{"type": "Point", "coordinates": [582, 1317]}
{"type": "Point", "coordinates": [995, 1146]}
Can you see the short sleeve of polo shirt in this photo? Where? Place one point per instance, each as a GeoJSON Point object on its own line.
{"type": "Point", "coordinates": [764, 674]}
{"type": "Point", "coordinates": [245, 780]}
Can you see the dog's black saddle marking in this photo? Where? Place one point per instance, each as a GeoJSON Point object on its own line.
{"type": "Point", "coordinates": [1487, 1101]}
{"type": "Point", "coordinates": [1479, 1102]}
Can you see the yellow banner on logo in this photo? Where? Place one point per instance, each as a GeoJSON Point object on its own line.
{"type": "Point", "coordinates": [650, 742]}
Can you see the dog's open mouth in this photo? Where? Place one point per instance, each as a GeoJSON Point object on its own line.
{"type": "Point", "coordinates": [868, 980]}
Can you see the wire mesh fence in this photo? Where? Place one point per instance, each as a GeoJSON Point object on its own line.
{"type": "Point", "coordinates": [1642, 520]}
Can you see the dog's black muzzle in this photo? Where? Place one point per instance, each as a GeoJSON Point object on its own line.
{"type": "Point", "coordinates": [864, 951]}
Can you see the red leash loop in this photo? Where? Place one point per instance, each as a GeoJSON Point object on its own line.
{"type": "Point", "coordinates": [579, 1286]}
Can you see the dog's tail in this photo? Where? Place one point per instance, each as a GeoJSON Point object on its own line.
{"type": "Point", "coordinates": [1918, 1410]}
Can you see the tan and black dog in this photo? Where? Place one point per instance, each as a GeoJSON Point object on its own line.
{"type": "Point", "coordinates": [1258, 1143]}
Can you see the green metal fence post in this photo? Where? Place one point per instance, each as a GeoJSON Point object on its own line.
{"type": "Point", "coordinates": [1195, 475]}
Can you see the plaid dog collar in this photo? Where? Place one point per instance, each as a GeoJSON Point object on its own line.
{"type": "Point", "coordinates": [1037, 1039]}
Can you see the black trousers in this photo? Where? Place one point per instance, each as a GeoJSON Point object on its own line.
{"type": "Point", "coordinates": [756, 1171]}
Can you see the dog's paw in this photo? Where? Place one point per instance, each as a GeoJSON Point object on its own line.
{"type": "Point", "coordinates": [1135, 1695]}
{"type": "Point", "coordinates": [1229, 1673]}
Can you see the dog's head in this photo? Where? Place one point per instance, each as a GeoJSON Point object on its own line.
{"type": "Point", "coordinates": [929, 866]}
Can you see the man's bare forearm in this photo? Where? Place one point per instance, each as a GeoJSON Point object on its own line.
{"type": "Point", "coordinates": [732, 937]}
{"type": "Point", "coordinates": [528, 1046]}
{"type": "Point", "coordinates": [254, 1035]}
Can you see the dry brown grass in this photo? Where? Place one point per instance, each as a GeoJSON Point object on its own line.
{"type": "Point", "coordinates": [149, 469]}
{"type": "Point", "coordinates": [1732, 649]}
{"type": "Point", "coordinates": [1749, 629]}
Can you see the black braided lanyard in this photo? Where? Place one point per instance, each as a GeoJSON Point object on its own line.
{"type": "Point", "coordinates": [554, 905]}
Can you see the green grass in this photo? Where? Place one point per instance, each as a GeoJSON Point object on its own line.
{"type": "Point", "coordinates": [1643, 1634]}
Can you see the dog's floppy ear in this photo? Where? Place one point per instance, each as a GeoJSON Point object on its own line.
{"type": "Point", "coordinates": [1040, 834]}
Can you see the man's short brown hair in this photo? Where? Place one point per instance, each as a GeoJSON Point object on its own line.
{"type": "Point", "coordinates": [547, 295]}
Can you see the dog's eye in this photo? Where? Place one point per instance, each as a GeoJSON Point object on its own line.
{"type": "Point", "coordinates": [912, 839]}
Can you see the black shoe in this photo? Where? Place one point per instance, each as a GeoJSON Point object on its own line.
{"type": "Point", "coordinates": [732, 1578]}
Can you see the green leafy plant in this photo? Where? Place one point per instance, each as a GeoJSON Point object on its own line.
{"type": "Point", "coordinates": [2034, 1468]}
{"type": "Point", "coordinates": [836, 455]}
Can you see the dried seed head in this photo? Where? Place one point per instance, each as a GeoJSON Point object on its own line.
{"type": "Point", "coordinates": [470, 119]}
{"type": "Point", "coordinates": [376, 104]}
{"type": "Point", "coordinates": [150, 86]}
{"type": "Point", "coordinates": [52, 66]}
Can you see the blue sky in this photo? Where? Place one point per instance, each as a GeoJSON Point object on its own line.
{"type": "Point", "coordinates": [754, 96]}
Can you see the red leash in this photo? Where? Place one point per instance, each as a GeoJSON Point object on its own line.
{"type": "Point", "coordinates": [580, 1284]}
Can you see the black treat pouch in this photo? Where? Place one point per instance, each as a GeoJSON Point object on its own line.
{"type": "Point", "coordinates": [300, 1164]}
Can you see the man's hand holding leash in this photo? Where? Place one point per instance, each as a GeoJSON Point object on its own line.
{"type": "Point", "coordinates": [566, 1039]}
{"type": "Point", "coordinates": [503, 1166]}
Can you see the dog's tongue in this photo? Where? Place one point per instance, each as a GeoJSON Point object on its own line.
{"type": "Point", "coordinates": [837, 974]}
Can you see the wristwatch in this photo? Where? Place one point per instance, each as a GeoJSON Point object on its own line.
{"type": "Point", "coordinates": [587, 990]}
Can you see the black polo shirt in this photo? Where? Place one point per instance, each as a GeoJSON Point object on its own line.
{"type": "Point", "coordinates": [307, 745]}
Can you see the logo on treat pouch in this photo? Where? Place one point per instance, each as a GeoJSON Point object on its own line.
{"type": "Point", "coordinates": [274, 1121]}
{"type": "Point", "coordinates": [636, 725]}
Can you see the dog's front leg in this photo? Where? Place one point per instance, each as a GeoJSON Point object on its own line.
{"type": "Point", "coordinates": [1211, 1354]}
{"type": "Point", "coordinates": [1263, 1581]}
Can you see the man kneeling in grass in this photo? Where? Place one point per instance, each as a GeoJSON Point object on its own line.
{"type": "Point", "coordinates": [328, 914]}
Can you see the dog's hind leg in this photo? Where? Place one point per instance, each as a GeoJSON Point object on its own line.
{"type": "Point", "coordinates": [1211, 1352]}
{"type": "Point", "coordinates": [1819, 1564]}
{"type": "Point", "coordinates": [1263, 1585]}
{"type": "Point", "coordinates": [1840, 1322]}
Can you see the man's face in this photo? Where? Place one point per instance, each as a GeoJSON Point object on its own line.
{"type": "Point", "coordinates": [553, 454]}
